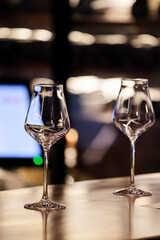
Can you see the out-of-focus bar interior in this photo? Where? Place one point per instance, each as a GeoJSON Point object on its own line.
{"type": "Point", "coordinates": [87, 45]}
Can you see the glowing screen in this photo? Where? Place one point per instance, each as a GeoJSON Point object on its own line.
{"type": "Point", "coordinates": [14, 141]}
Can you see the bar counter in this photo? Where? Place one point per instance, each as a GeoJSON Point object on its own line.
{"type": "Point", "coordinates": [92, 212]}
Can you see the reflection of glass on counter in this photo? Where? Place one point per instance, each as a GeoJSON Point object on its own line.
{"type": "Point", "coordinates": [44, 223]}
{"type": "Point", "coordinates": [131, 202]}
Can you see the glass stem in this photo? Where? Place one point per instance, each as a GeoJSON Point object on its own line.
{"type": "Point", "coordinates": [45, 180]}
{"type": "Point", "coordinates": [132, 163]}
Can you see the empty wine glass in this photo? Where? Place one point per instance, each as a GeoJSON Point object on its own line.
{"type": "Point", "coordinates": [133, 115]}
{"type": "Point", "coordinates": [47, 121]}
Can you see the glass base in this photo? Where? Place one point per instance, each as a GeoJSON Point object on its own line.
{"type": "Point", "coordinates": [132, 192]}
{"type": "Point", "coordinates": [44, 205]}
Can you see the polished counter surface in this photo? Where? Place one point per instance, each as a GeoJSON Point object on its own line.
{"type": "Point", "coordinates": [92, 212]}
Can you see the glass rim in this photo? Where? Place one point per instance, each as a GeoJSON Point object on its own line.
{"type": "Point", "coordinates": [144, 80]}
{"type": "Point", "coordinates": [48, 84]}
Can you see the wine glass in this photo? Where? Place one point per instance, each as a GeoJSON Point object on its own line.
{"type": "Point", "coordinates": [133, 115]}
{"type": "Point", "coordinates": [47, 121]}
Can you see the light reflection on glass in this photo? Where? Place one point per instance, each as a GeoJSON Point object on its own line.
{"type": "Point", "coordinates": [40, 80]}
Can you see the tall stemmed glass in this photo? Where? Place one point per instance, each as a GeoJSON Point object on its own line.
{"type": "Point", "coordinates": [47, 121]}
{"type": "Point", "coordinates": [133, 114]}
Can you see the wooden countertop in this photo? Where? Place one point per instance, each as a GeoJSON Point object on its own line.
{"type": "Point", "coordinates": [92, 212]}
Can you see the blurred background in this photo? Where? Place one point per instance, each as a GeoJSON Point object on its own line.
{"type": "Point", "coordinates": [87, 45]}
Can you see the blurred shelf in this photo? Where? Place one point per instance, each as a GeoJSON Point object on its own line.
{"type": "Point", "coordinates": [26, 71]}
{"type": "Point", "coordinates": [96, 23]}
{"type": "Point", "coordinates": [15, 51]}
{"type": "Point", "coordinates": [29, 20]}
